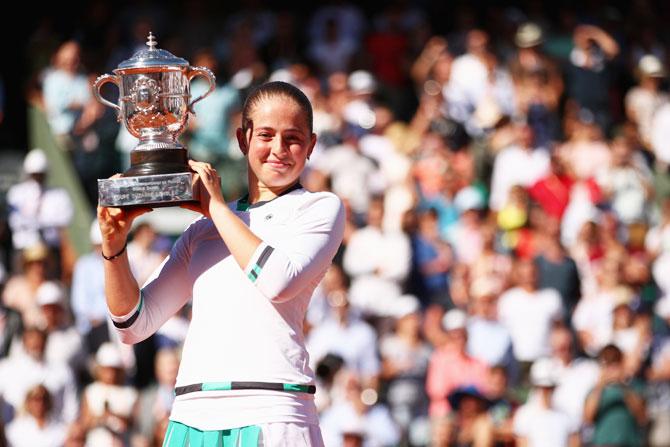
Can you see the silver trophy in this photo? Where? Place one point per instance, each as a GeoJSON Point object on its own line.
{"type": "Point", "coordinates": [154, 94]}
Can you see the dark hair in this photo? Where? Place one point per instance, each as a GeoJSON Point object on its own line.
{"type": "Point", "coordinates": [610, 354]}
{"type": "Point", "coordinates": [272, 89]}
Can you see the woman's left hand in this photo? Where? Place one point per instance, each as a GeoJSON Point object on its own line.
{"type": "Point", "coordinates": [208, 187]}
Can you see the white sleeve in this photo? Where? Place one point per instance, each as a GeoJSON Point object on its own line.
{"type": "Point", "coordinates": [165, 292]}
{"type": "Point", "coordinates": [281, 271]}
{"type": "Point", "coordinates": [357, 259]}
{"type": "Point", "coordinates": [520, 422]}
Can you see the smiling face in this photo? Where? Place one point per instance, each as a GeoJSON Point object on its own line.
{"type": "Point", "coordinates": [277, 141]}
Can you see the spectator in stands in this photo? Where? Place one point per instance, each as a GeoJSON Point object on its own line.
{"type": "Point", "coordinates": [538, 423]}
{"type": "Point", "coordinates": [27, 367]}
{"type": "Point", "coordinates": [37, 424]}
{"type": "Point", "coordinates": [64, 343]}
{"type": "Point", "coordinates": [405, 359]}
{"type": "Point", "coordinates": [452, 367]}
{"type": "Point", "coordinates": [360, 350]}
{"type": "Point", "coordinates": [108, 407]}
{"type": "Point", "coordinates": [643, 100]}
{"type": "Point", "coordinates": [529, 313]}
{"type": "Point", "coordinates": [616, 405]}
{"type": "Point", "coordinates": [358, 407]}
{"type": "Point", "coordinates": [142, 256]}
{"type": "Point", "coordinates": [378, 262]}
{"type": "Point", "coordinates": [66, 91]}
{"type": "Point", "coordinates": [155, 402]}
{"type": "Point", "coordinates": [38, 213]}
{"type": "Point", "coordinates": [20, 293]}
{"type": "Point", "coordinates": [88, 288]}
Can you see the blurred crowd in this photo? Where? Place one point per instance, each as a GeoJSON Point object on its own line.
{"type": "Point", "coordinates": [504, 276]}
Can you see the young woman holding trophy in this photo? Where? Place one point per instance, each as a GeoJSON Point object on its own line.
{"type": "Point", "coordinates": [250, 267]}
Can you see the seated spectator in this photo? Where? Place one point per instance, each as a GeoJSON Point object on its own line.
{"type": "Point", "coordinates": [616, 405]}
{"type": "Point", "coordinates": [108, 407]}
{"type": "Point", "coordinates": [21, 290]}
{"type": "Point", "coordinates": [575, 376]}
{"type": "Point", "coordinates": [528, 313]}
{"type": "Point", "coordinates": [27, 367]}
{"type": "Point", "coordinates": [644, 99]}
{"type": "Point", "coordinates": [538, 423]}
{"type": "Point", "coordinates": [66, 91]}
{"type": "Point", "coordinates": [470, 423]}
{"type": "Point", "coordinates": [38, 213]}
{"type": "Point", "coordinates": [631, 332]}
{"type": "Point", "coordinates": [378, 262]}
{"type": "Point", "coordinates": [36, 426]}
{"type": "Point", "coordinates": [88, 288]}
{"type": "Point", "coordinates": [11, 327]}
{"type": "Point", "coordinates": [503, 405]}
{"type": "Point", "coordinates": [141, 254]}
{"type": "Point", "coordinates": [404, 363]}
{"type": "Point", "coordinates": [452, 367]}
{"type": "Point", "coordinates": [465, 236]}
{"type": "Point", "coordinates": [658, 387]}
{"type": "Point", "coordinates": [360, 350]}
{"type": "Point", "coordinates": [64, 343]}
{"type": "Point", "coordinates": [155, 402]}
{"type": "Point", "coordinates": [488, 340]}
{"type": "Point", "coordinates": [358, 407]}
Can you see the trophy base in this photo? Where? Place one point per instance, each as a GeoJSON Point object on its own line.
{"type": "Point", "coordinates": [146, 190]}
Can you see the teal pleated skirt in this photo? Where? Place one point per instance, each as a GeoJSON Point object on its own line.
{"type": "Point", "coordinates": [180, 435]}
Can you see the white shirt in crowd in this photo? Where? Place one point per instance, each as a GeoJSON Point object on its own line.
{"type": "Point", "coordinates": [246, 323]}
{"type": "Point", "coordinates": [25, 432]}
{"type": "Point", "coordinates": [377, 425]}
{"type": "Point", "coordinates": [543, 427]}
{"type": "Point", "coordinates": [593, 314]}
{"type": "Point", "coordinates": [378, 262]}
{"type": "Point", "coordinates": [20, 372]}
{"type": "Point", "coordinates": [359, 351]}
{"type": "Point", "coordinates": [489, 341]}
{"type": "Point", "coordinates": [516, 166]}
{"type": "Point", "coordinates": [528, 317]}
{"type": "Point", "coordinates": [660, 133]}
{"type": "Point", "coordinates": [575, 381]}
{"type": "Point", "coordinates": [37, 213]}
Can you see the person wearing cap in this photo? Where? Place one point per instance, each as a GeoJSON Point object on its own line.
{"type": "Point", "coordinates": [108, 407]}
{"type": "Point", "coordinates": [28, 366]}
{"type": "Point", "coordinates": [644, 99]}
{"type": "Point", "coordinates": [20, 293]}
{"type": "Point", "coordinates": [537, 423]}
{"type": "Point", "coordinates": [469, 424]}
{"type": "Point", "coordinates": [37, 213]}
{"type": "Point", "coordinates": [538, 83]}
{"type": "Point", "coordinates": [405, 358]}
{"type": "Point", "coordinates": [616, 406]}
{"type": "Point", "coordinates": [451, 366]}
{"type": "Point", "coordinates": [64, 343]}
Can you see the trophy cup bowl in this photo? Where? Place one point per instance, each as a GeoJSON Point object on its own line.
{"type": "Point", "coordinates": [154, 95]}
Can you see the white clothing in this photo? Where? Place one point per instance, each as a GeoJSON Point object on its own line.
{"type": "Point", "coordinates": [246, 324]}
{"type": "Point", "coordinates": [575, 381]}
{"type": "Point", "coordinates": [528, 317]}
{"type": "Point", "coordinates": [37, 213]}
{"type": "Point", "coordinates": [24, 432]}
{"type": "Point", "coordinates": [644, 103]}
{"type": "Point", "coordinates": [120, 399]}
{"type": "Point", "coordinates": [65, 346]}
{"type": "Point", "coordinates": [488, 341]}
{"type": "Point", "coordinates": [377, 425]}
{"type": "Point", "coordinates": [516, 166]}
{"type": "Point", "coordinates": [351, 175]}
{"type": "Point", "coordinates": [593, 314]}
{"type": "Point", "coordinates": [142, 262]}
{"type": "Point", "coordinates": [378, 262]}
{"type": "Point", "coordinates": [543, 427]}
{"type": "Point", "coordinates": [660, 133]}
{"type": "Point", "coordinates": [62, 90]}
{"type": "Point", "coordinates": [20, 372]}
{"type": "Point", "coordinates": [359, 352]}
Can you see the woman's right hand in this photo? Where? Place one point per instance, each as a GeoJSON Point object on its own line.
{"type": "Point", "coordinates": [115, 224]}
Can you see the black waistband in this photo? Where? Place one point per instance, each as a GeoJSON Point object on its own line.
{"type": "Point", "coordinates": [225, 386]}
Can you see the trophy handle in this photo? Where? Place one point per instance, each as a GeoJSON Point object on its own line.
{"type": "Point", "coordinates": [97, 85]}
{"type": "Point", "coordinates": [207, 73]}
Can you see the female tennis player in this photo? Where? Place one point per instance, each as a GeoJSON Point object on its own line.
{"type": "Point", "coordinates": [250, 267]}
